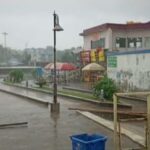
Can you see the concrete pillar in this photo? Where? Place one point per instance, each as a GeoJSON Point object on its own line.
{"type": "Point", "coordinates": [116, 141]}
{"type": "Point", "coordinates": [55, 107]}
{"type": "Point", "coordinates": [148, 122]}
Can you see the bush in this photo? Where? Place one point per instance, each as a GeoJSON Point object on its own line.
{"type": "Point", "coordinates": [41, 81]}
{"type": "Point", "coordinates": [16, 75]}
{"type": "Point", "coordinates": [107, 85]}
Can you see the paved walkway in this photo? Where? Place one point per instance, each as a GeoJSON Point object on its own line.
{"type": "Point", "coordinates": [46, 131]}
{"type": "Point", "coordinates": [29, 93]}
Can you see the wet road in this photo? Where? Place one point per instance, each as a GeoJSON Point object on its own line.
{"type": "Point", "coordinates": [46, 131]}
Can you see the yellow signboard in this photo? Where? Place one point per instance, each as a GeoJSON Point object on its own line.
{"type": "Point", "coordinates": [93, 55]}
{"type": "Point", "coordinates": [101, 55]}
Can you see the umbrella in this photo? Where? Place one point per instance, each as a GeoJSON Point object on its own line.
{"type": "Point", "coordinates": [61, 66]}
{"type": "Point", "coordinates": [48, 66]}
{"type": "Point", "coordinates": [93, 67]}
{"type": "Point", "coordinates": [68, 67]}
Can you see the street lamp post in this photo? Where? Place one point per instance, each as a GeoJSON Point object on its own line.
{"type": "Point", "coordinates": [55, 107]}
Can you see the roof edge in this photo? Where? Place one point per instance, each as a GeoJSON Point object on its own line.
{"type": "Point", "coordinates": [105, 26]}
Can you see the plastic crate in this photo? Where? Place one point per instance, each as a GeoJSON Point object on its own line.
{"type": "Point", "coordinates": [88, 142]}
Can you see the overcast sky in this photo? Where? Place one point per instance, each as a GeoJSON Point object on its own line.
{"type": "Point", "coordinates": [29, 23]}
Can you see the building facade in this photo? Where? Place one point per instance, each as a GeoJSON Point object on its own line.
{"type": "Point", "coordinates": [120, 37]}
{"type": "Point", "coordinates": [130, 69]}
{"type": "Point", "coordinates": [128, 52]}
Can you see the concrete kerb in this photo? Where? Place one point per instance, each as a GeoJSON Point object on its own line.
{"type": "Point", "coordinates": [134, 98]}
{"type": "Point", "coordinates": [109, 125]}
{"type": "Point", "coordinates": [75, 89]}
{"type": "Point", "coordinates": [105, 104]}
{"type": "Point", "coordinates": [34, 99]}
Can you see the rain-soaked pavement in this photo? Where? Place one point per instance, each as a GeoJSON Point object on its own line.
{"type": "Point", "coordinates": [46, 131]}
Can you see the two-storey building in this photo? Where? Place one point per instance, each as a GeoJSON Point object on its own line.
{"type": "Point", "coordinates": [111, 36]}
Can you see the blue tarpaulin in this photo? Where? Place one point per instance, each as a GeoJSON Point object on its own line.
{"type": "Point", "coordinates": [39, 71]}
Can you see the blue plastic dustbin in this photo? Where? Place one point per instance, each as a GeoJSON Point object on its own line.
{"type": "Point", "coordinates": [88, 142]}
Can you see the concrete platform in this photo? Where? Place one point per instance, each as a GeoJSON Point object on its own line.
{"type": "Point", "coordinates": [46, 131]}
{"type": "Point", "coordinates": [133, 135]}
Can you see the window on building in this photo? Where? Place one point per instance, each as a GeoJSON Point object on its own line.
{"type": "Point", "coordinates": [120, 42]}
{"type": "Point", "coordinates": [102, 43]}
{"type": "Point", "coordinates": [135, 42]}
{"type": "Point", "coordinates": [131, 42]}
{"type": "Point", "coordinates": [98, 44]}
{"type": "Point", "coordinates": [147, 42]}
{"type": "Point", "coordinates": [139, 42]}
{"type": "Point", "coordinates": [94, 44]}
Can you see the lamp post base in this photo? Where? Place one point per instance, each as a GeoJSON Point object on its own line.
{"type": "Point", "coordinates": [55, 107]}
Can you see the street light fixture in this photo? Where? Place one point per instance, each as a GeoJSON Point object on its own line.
{"type": "Point", "coordinates": [55, 105]}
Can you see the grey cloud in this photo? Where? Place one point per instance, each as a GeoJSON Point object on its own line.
{"type": "Point", "coordinates": [32, 20]}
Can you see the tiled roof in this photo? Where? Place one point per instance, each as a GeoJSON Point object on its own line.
{"type": "Point", "coordinates": [105, 26]}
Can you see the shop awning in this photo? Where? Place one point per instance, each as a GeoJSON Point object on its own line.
{"type": "Point", "coordinates": [61, 66]}
{"type": "Point", "coordinates": [93, 67]}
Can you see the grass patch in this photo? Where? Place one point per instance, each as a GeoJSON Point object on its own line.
{"type": "Point", "coordinates": [63, 91]}
{"type": "Point", "coordinates": [9, 82]}
{"type": "Point", "coordinates": [70, 92]}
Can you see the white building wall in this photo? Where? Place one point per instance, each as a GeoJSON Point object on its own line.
{"type": "Point", "coordinates": [96, 36]}
{"type": "Point", "coordinates": [87, 42]}
{"type": "Point", "coordinates": [109, 39]}
{"type": "Point", "coordinates": [132, 71]}
{"type": "Point", "coordinates": [89, 38]}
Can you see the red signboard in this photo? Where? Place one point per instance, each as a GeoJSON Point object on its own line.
{"type": "Point", "coordinates": [85, 56]}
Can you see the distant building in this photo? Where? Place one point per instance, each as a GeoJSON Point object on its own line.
{"type": "Point", "coordinates": [111, 36]}
{"type": "Point", "coordinates": [40, 56]}
{"type": "Point", "coordinates": [14, 62]}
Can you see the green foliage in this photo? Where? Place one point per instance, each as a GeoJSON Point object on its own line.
{"type": "Point", "coordinates": [108, 87]}
{"type": "Point", "coordinates": [72, 93]}
{"type": "Point", "coordinates": [67, 56]}
{"type": "Point", "coordinates": [16, 76]}
{"type": "Point", "coordinates": [41, 81]}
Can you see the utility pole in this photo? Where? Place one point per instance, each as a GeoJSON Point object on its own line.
{"type": "Point", "coordinates": [5, 34]}
{"type": "Point", "coordinates": [4, 45]}
{"type": "Point", "coordinates": [148, 122]}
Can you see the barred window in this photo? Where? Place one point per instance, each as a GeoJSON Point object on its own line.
{"type": "Point", "coordinates": [120, 42]}
{"type": "Point", "coordinates": [135, 42]}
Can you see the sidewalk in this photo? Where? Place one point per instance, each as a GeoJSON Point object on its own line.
{"type": "Point", "coordinates": [52, 131]}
